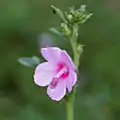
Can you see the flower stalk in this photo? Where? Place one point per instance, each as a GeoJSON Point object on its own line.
{"type": "Point", "coordinates": [69, 108]}
{"type": "Point", "coordinates": [77, 50]}
{"type": "Point", "coordinates": [72, 19]}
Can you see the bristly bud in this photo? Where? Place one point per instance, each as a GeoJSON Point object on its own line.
{"type": "Point", "coordinates": [80, 48]}
{"type": "Point", "coordinates": [82, 8]}
{"type": "Point", "coordinates": [77, 16]}
{"type": "Point", "coordinates": [65, 29]}
{"type": "Point", "coordinates": [69, 17]}
{"type": "Point", "coordinates": [71, 20]}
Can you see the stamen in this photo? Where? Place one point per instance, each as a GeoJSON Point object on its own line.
{"type": "Point", "coordinates": [54, 82]}
{"type": "Point", "coordinates": [61, 74]}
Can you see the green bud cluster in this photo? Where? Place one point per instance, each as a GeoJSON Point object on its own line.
{"type": "Point", "coordinates": [78, 16]}
{"type": "Point", "coordinates": [69, 19]}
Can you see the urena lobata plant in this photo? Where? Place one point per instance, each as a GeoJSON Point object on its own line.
{"type": "Point", "coordinates": [59, 72]}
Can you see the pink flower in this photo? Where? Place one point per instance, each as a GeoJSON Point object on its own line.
{"type": "Point", "coordinates": [58, 73]}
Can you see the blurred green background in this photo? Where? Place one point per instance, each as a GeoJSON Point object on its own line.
{"type": "Point", "coordinates": [24, 28]}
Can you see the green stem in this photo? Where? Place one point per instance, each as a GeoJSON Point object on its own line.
{"type": "Point", "coordinates": [76, 52]}
{"type": "Point", "coordinates": [70, 107]}
{"type": "Point", "coordinates": [74, 44]}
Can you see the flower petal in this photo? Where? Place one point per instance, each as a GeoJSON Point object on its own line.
{"type": "Point", "coordinates": [58, 92]}
{"type": "Point", "coordinates": [65, 57]}
{"type": "Point", "coordinates": [44, 74]}
{"type": "Point", "coordinates": [51, 54]}
{"type": "Point", "coordinates": [71, 80]}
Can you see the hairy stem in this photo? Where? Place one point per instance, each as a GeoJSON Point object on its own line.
{"type": "Point", "coordinates": [76, 52]}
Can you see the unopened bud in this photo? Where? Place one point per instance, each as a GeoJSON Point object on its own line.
{"type": "Point", "coordinates": [65, 29]}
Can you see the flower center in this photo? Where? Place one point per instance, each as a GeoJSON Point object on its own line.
{"type": "Point", "coordinates": [62, 73]}
{"type": "Point", "coordinates": [63, 70]}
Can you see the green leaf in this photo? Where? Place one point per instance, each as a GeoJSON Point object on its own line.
{"type": "Point", "coordinates": [59, 13]}
{"type": "Point", "coordinates": [86, 17]}
{"type": "Point", "coordinates": [56, 31]}
{"type": "Point", "coordinates": [64, 30]}
{"type": "Point", "coordinates": [29, 61]}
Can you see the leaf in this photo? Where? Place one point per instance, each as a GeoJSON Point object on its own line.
{"type": "Point", "coordinates": [29, 61]}
{"type": "Point", "coordinates": [59, 13]}
{"type": "Point", "coordinates": [56, 31]}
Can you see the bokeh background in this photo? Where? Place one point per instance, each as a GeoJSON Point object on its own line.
{"type": "Point", "coordinates": [24, 28]}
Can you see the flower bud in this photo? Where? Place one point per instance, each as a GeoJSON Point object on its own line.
{"type": "Point", "coordinates": [65, 29]}
{"type": "Point", "coordinates": [80, 49]}
{"type": "Point", "coordinates": [69, 18]}
{"type": "Point", "coordinates": [78, 16]}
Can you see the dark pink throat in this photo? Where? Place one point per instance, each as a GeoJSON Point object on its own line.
{"type": "Point", "coordinates": [63, 69]}
{"type": "Point", "coordinates": [62, 72]}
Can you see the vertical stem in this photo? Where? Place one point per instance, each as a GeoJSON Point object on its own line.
{"type": "Point", "coordinates": [70, 99]}
{"type": "Point", "coordinates": [74, 44]}
{"type": "Point", "coordinates": [70, 107]}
